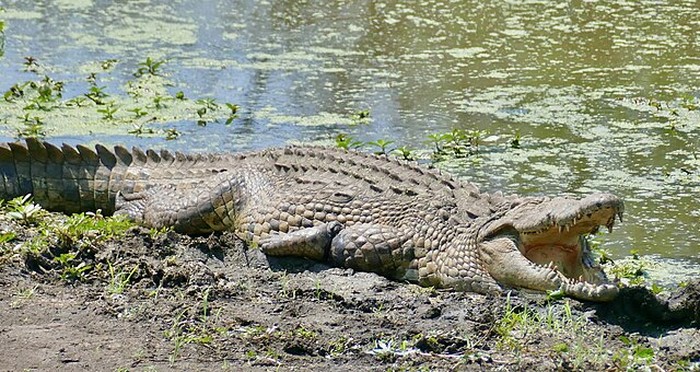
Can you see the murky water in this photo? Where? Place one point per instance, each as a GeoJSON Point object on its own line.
{"type": "Point", "coordinates": [600, 92]}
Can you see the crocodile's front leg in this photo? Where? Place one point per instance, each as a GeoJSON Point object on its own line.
{"type": "Point", "coordinates": [365, 247]}
{"type": "Point", "coordinates": [508, 266]}
{"type": "Point", "coordinates": [313, 242]}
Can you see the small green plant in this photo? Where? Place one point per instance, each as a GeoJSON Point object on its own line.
{"type": "Point", "coordinates": [82, 230]}
{"type": "Point", "coordinates": [92, 79]}
{"type": "Point", "coordinates": [510, 320]}
{"type": "Point", "coordinates": [655, 104]}
{"type": "Point", "coordinates": [561, 347]}
{"type": "Point", "coordinates": [7, 236]}
{"type": "Point", "coordinates": [138, 112]}
{"type": "Point", "coordinates": [517, 321]}
{"type": "Point", "coordinates": [23, 295]}
{"type": "Point", "coordinates": [234, 112]}
{"type": "Point", "coordinates": [93, 224]}
{"type": "Point", "coordinates": [32, 127]}
{"type": "Point", "coordinates": [438, 141]}
{"type": "Point", "coordinates": [318, 290]}
{"type": "Point", "coordinates": [458, 143]}
{"type": "Point", "coordinates": [47, 91]}
{"type": "Point", "coordinates": [382, 144]}
{"type": "Point", "coordinates": [633, 270]}
{"type": "Point", "coordinates": [15, 91]}
{"type": "Point", "coordinates": [171, 134]}
{"type": "Point", "coordinates": [180, 95]}
{"type": "Point", "coordinates": [256, 331]}
{"type": "Point", "coordinates": [72, 269]}
{"type": "Point", "coordinates": [405, 153]}
{"type": "Point", "coordinates": [286, 291]}
{"type": "Point", "coordinates": [176, 333]}
{"type": "Point", "coordinates": [36, 104]}
{"type": "Point", "coordinates": [635, 357]}
{"type": "Point", "coordinates": [108, 63]}
{"type": "Point", "coordinates": [118, 280]}
{"type": "Point", "coordinates": [304, 333]}
{"type": "Point", "coordinates": [360, 117]}
{"type": "Point", "coordinates": [24, 210]}
{"type": "Point", "coordinates": [97, 94]}
{"type": "Point", "coordinates": [205, 306]}
{"type": "Point", "coordinates": [26, 293]}
{"type": "Point", "coordinates": [208, 103]}
{"type": "Point", "coordinates": [201, 122]}
{"type": "Point", "coordinates": [108, 111]}
{"type": "Point", "coordinates": [338, 346]}
{"type": "Point", "coordinates": [604, 256]}
{"type": "Point", "coordinates": [251, 355]}
{"type": "Point", "coordinates": [149, 66]}
{"type": "Point", "coordinates": [30, 64]}
{"type": "Point", "coordinates": [76, 101]}
{"type": "Point", "coordinates": [154, 233]}
{"type": "Point", "coordinates": [346, 142]}
{"type": "Point", "coordinates": [656, 289]}
{"type": "Point", "coordinates": [36, 245]}
{"type": "Point", "coordinates": [515, 142]}
{"type": "Point", "coordinates": [159, 102]}
{"type": "Point", "coordinates": [197, 330]}
{"type": "Point", "coordinates": [140, 129]}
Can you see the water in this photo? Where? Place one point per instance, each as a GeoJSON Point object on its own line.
{"type": "Point", "coordinates": [601, 92]}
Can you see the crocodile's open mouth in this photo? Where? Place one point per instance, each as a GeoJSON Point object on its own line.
{"type": "Point", "coordinates": [563, 243]}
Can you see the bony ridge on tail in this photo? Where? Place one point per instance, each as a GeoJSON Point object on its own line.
{"type": "Point", "coordinates": [352, 209]}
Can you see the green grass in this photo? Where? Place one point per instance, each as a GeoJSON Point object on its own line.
{"type": "Point", "coordinates": [24, 210]}
{"type": "Point", "coordinates": [196, 326]}
{"type": "Point", "coordinates": [62, 244]}
{"type": "Point", "coordinates": [119, 278]}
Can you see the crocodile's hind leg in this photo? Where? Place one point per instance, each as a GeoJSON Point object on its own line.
{"type": "Point", "coordinates": [191, 208]}
{"type": "Point", "coordinates": [364, 247]}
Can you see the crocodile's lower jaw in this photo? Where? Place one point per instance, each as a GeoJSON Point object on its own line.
{"type": "Point", "coordinates": [565, 249]}
{"type": "Point", "coordinates": [565, 257]}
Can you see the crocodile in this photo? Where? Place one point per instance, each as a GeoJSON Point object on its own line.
{"type": "Point", "coordinates": [367, 212]}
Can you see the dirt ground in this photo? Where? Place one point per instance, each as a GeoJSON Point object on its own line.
{"type": "Point", "coordinates": [146, 301]}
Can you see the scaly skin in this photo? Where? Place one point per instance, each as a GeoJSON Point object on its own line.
{"type": "Point", "coordinates": [351, 209]}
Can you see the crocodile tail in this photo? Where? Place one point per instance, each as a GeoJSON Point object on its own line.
{"type": "Point", "coordinates": [68, 179]}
